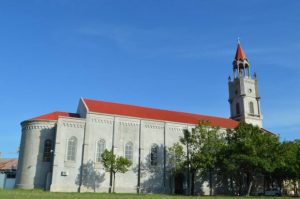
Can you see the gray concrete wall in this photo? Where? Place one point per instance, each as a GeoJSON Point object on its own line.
{"type": "Point", "coordinates": [32, 170]}
{"type": "Point", "coordinates": [98, 127]}
{"type": "Point", "coordinates": [244, 90]}
{"type": "Point", "coordinates": [66, 174]}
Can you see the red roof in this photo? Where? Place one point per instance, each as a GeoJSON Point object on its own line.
{"type": "Point", "coordinates": [8, 164]}
{"type": "Point", "coordinates": [156, 114]}
{"type": "Point", "coordinates": [54, 116]}
{"type": "Point", "coordinates": [240, 55]}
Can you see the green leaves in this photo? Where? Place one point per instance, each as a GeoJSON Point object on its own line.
{"type": "Point", "coordinates": [176, 157]}
{"type": "Point", "coordinates": [108, 160]}
{"type": "Point", "coordinates": [249, 151]}
{"type": "Point", "coordinates": [239, 154]}
{"type": "Point", "coordinates": [113, 163]}
{"type": "Point", "coordinates": [122, 164]}
{"type": "Point", "coordinates": [206, 143]}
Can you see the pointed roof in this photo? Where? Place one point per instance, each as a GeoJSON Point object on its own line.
{"type": "Point", "coordinates": [155, 114]}
{"type": "Point", "coordinates": [240, 55]}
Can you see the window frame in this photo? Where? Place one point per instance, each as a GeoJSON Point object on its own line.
{"type": "Point", "coordinates": [251, 108]}
{"type": "Point", "coordinates": [237, 108]}
{"type": "Point", "coordinates": [154, 153]}
{"type": "Point", "coordinates": [71, 154]}
{"type": "Point", "coordinates": [130, 153]}
{"type": "Point", "coordinates": [98, 157]}
{"type": "Point", "coordinates": [47, 150]}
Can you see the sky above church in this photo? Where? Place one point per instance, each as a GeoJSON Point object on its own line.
{"type": "Point", "coordinates": [169, 54]}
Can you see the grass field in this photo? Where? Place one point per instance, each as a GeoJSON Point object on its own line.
{"type": "Point", "coordinates": [37, 194]}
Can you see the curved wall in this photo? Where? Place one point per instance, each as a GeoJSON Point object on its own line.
{"type": "Point", "coordinates": [32, 169]}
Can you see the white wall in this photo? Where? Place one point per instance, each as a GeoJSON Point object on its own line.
{"type": "Point", "coordinates": [32, 170]}
{"type": "Point", "coordinates": [10, 183]}
{"type": "Point", "coordinates": [66, 128]}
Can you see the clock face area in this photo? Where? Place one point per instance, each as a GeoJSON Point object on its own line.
{"type": "Point", "coordinates": [249, 90]}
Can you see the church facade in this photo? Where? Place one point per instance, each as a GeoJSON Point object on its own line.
{"type": "Point", "coordinates": [61, 152]}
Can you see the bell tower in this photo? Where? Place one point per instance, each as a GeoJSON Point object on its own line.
{"type": "Point", "coordinates": [244, 98]}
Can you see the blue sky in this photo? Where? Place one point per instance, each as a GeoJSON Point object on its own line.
{"type": "Point", "coordinates": [168, 54]}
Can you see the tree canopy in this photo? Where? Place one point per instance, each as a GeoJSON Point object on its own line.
{"type": "Point", "coordinates": [241, 157]}
{"type": "Point", "coordinates": [114, 164]}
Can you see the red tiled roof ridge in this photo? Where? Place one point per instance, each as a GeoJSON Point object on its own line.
{"type": "Point", "coordinates": [154, 113]}
{"type": "Point", "coordinates": [54, 115]}
{"type": "Point", "coordinates": [158, 109]}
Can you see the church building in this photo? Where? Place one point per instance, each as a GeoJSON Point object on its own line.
{"type": "Point", "coordinates": [61, 151]}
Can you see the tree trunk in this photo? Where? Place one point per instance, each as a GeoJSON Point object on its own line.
{"type": "Point", "coordinates": [280, 183]}
{"type": "Point", "coordinates": [193, 183]}
{"type": "Point", "coordinates": [240, 187]}
{"type": "Point", "coordinates": [249, 188]}
{"type": "Point", "coordinates": [114, 182]}
{"type": "Point", "coordinates": [295, 188]}
{"type": "Point", "coordinates": [232, 187]}
{"type": "Point", "coordinates": [210, 182]}
{"type": "Point", "coordinates": [94, 183]}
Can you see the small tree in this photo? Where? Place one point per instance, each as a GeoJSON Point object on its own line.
{"type": "Point", "coordinates": [114, 164]}
{"type": "Point", "coordinates": [176, 158]}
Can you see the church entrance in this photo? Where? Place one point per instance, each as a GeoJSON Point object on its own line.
{"type": "Point", "coordinates": [179, 183]}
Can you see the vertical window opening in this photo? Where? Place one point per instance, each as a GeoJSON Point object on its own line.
{"type": "Point", "coordinates": [47, 151]}
{"type": "Point", "coordinates": [237, 107]}
{"type": "Point", "coordinates": [129, 151]}
{"type": "Point", "coordinates": [100, 150]}
{"type": "Point", "coordinates": [251, 107]}
{"type": "Point", "coordinates": [154, 155]}
{"type": "Point", "coordinates": [72, 146]}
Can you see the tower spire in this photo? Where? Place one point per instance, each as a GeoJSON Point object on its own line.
{"type": "Point", "coordinates": [241, 66]}
{"type": "Point", "coordinates": [240, 55]}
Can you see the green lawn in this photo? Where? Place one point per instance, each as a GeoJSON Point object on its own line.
{"type": "Point", "coordinates": [37, 194]}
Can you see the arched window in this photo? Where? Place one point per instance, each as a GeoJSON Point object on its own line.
{"type": "Point", "coordinates": [251, 107]}
{"type": "Point", "coordinates": [237, 107]}
{"type": "Point", "coordinates": [100, 150]}
{"type": "Point", "coordinates": [129, 151]}
{"type": "Point", "coordinates": [71, 151]}
{"type": "Point", "coordinates": [154, 155]}
{"type": "Point", "coordinates": [47, 151]}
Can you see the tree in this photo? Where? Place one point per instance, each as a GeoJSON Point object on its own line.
{"type": "Point", "coordinates": [207, 141]}
{"type": "Point", "coordinates": [114, 164]}
{"type": "Point", "coordinates": [286, 161]}
{"type": "Point", "coordinates": [287, 168]}
{"type": "Point", "coordinates": [249, 151]}
{"type": "Point", "coordinates": [187, 141]}
{"type": "Point", "coordinates": [202, 146]}
{"type": "Point", "coordinates": [176, 158]}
